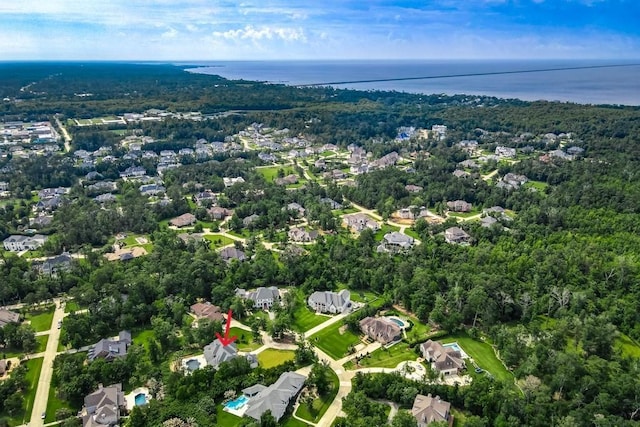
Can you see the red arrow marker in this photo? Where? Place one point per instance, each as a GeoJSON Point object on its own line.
{"type": "Point", "coordinates": [226, 340]}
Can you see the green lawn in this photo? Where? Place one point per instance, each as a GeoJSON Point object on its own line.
{"type": "Point", "coordinates": [34, 366]}
{"type": "Point", "coordinates": [389, 358]}
{"type": "Point", "coordinates": [272, 357]}
{"type": "Point", "coordinates": [42, 343]}
{"type": "Point", "coordinates": [332, 342]}
{"type": "Point", "coordinates": [474, 211]}
{"type": "Point", "coordinates": [218, 240]}
{"type": "Point", "coordinates": [41, 319]}
{"type": "Point", "coordinates": [226, 419]}
{"type": "Point", "coordinates": [627, 346]}
{"type": "Point", "coordinates": [131, 239]}
{"type": "Point", "coordinates": [321, 404]}
{"type": "Point", "coordinates": [361, 296]}
{"type": "Point", "coordinates": [53, 404]}
{"type": "Point", "coordinates": [482, 353]}
{"type": "Point", "coordinates": [386, 228]}
{"type": "Point", "coordinates": [143, 337]}
{"type": "Point", "coordinates": [71, 306]}
{"type": "Point", "coordinates": [412, 233]}
{"type": "Point", "coordinates": [292, 422]}
{"type": "Point", "coordinates": [271, 173]}
{"type": "Point", "coordinates": [306, 319]}
{"type": "Point", "coordinates": [538, 185]}
{"type": "Point", "coordinates": [245, 339]}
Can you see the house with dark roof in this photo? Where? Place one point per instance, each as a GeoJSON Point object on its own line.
{"type": "Point", "coordinates": [296, 208]}
{"type": "Point", "coordinates": [428, 409]}
{"type": "Point", "coordinates": [444, 360]}
{"type": "Point", "coordinates": [230, 253]}
{"type": "Point", "coordinates": [183, 220]}
{"type": "Point", "coordinates": [276, 397]}
{"type": "Point", "coordinates": [110, 349]}
{"type": "Point", "coordinates": [332, 203]}
{"type": "Point", "coordinates": [247, 221]}
{"type": "Point", "coordinates": [7, 316]}
{"type": "Point", "coordinates": [330, 302]}
{"type": "Point", "coordinates": [207, 310]}
{"type": "Point", "coordinates": [381, 329]}
{"type": "Point", "coordinates": [263, 298]}
{"type": "Point", "coordinates": [53, 265]}
{"type": "Point", "coordinates": [102, 407]}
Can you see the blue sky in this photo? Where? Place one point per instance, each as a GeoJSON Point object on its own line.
{"type": "Point", "coordinates": [319, 29]}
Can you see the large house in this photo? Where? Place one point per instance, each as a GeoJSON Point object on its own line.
{"type": "Point", "coordinates": [17, 243]}
{"type": "Point", "coordinates": [217, 353]}
{"type": "Point", "coordinates": [445, 360]}
{"type": "Point", "coordinates": [276, 397]}
{"type": "Point", "coordinates": [230, 253]}
{"type": "Point", "coordinates": [183, 220]}
{"type": "Point", "coordinates": [428, 409]}
{"type": "Point", "coordinates": [359, 221]}
{"type": "Point", "coordinates": [263, 298]}
{"type": "Point", "coordinates": [381, 329]}
{"type": "Point", "coordinates": [7, 317]}
{"type": "Point", "coordinates": [102, 407]}
{"type": "Point", "coordinates": [110, 349]}
{"type": "Point", "coordinates": [456, 235]}
{"type": "Point", "coordinates": [395, 242]}
{"type": "Point", "coordinates": [330, 302]}
{"type": "Point", "coordinates": [297, 234]}
{"type": "Point", "coordinates": [53, 265]}
{"type": "Point", "coordinates": [459, 206]}
{"type": "Point", "coordinates": [206, 310]}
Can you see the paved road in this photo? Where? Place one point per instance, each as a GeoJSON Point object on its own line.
{"type": "Point", "coordinates": [44, 383]}
{"type": "Point", "coordinates": [65, 134]}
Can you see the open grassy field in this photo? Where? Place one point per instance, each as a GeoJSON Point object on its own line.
{"type": "Point", "coordinates": [333, 342]}
{"type": "Point", "coordinates": [321, 404]}
{"type": "Point", "coordinates": [245, 339]}
{"type": "Point", "coordinates": [53, 404]}
{"type": "Point", "coordinates": [482, 354]}
{"type": "Point", "coordinates": [389, 358]}
{"type": "Point", "coordinates": [34, 366]}
{"type": "Point", "coordinates": [271, 173]}
{"type": "Point", "coordinates": [218, 240]}
{"type": "Point", "coordinates": [272, 357]}
{"type": "Point", "coordinates": [41, 319]}
{"type": "Point", "coordinates": [306, 319]}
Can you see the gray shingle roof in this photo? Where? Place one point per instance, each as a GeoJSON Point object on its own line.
{"type": "Point", "coordinates": [276, 397]}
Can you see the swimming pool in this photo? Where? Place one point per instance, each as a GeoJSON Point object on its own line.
{"type": "Point", "coordinates": [192, 364]}
{"type": "Point", "coordinates": [398, 321]}
{"type": "Point", "coordinates": [453, 345]}
{"type": "Point", "coordinates": [140, 399]}
{"type": "Point", "coordinates": [237, 403]}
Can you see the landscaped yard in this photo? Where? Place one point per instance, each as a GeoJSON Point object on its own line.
{"type": "Point", "coordinates": [272, 357]}
{"type": "Point", "coordinates": [142, 337]}
{"type": "Point", "coordinates": [53, 404]}
{"type": "Point", "coordinates": [42, 343]}
{"type": "Point", "coordinates": [224, 418]}
{"type": "Point", "coordinates": [71, 306]}
{"type": "Point", "coordinates": [34, 366]}
{"type": "Point", "coordinates": [271, 173]}
{"type": "Point", "coordinates": [389, 358]}
{"type": "Point", "coordinates": [245, 339]}
{"type": "Point", "coordinates": [386, 228]}
{"type": "Point", "coordinates": [306, 319]}
{"type": "Point", "coordinates": [218, 240]}
{"type": "Point", "coordinates": [333, 342]}
{"type": "Point", "coordinates": [41, 319]}
{"type": "Point", "coordinates": [321, 404]}
{"type": "Point", "coordinates": [482, 354]}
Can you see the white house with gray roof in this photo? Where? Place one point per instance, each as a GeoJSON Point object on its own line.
{"type": "Point", "coordinates": [263, 298]}
{"type": "Point", "coordinates": [276, 397]}
{"type": "Point", "coordinates": [110, 349]}
{"type": "Point", "coordinates": [216, 353]}
{"type": "Point", "coordinates": [17, 243]}
{"type": "Point", "coordinates": [330, 302]}
{"type": "Point", "coordinates": [396, 242]}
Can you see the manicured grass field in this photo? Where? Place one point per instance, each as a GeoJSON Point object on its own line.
{"type": "Point", "coordinates": [389, 358]}
{"type": "Point", "coordinates": [34, 366]}
{"type": "Point", "coordinates": [271, 173]}
{"type": "Point", "coordinates": [71, 306]}
{"type": "Point", "coordinates": [292, 422]}
{"type": "Point", "coordinates": [538, 185]}
{"type": "Point", "coordinates": [386, 228]}
{"type": "Point", "coordinates": [40, 320]}
{"type": "Point", "coordinates": [143, 337]}
{"type": "Point", "coordinates": [272, 357]}
{"type": "Point", "coordinates": [321, 404]}
{"type": "Point", "coordinates": [218, 240]}
{"type": "Point", "coordinates": [412, 233]}
{"type": "Point", "coordinates": [628, 346]}
{"type": "Point", "coordinates": [42, 343]}
{"type": "Point", "coordinates": [53, 404]}
{"type": "Point", "coordinates": [245, 339]}
{"type": "Point", "coordinates": [332, 342]}
{"type": "Point", "coordinates": [306, 319]}
{"type": "Point", "coordinates": [482, 353]}
{"type": "Point", "coordinates": [224, 418]}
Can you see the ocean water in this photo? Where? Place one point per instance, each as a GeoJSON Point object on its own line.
{"type": "Point", "coordinates": [602, 85]}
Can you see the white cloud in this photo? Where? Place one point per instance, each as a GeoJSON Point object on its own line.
{"type": "Point", "coordinates": [249, 32]}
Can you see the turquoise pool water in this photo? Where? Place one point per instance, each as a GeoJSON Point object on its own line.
{"type": "Point", "coordinates": [237, 403]}
{"type": "Point", "coordinates": [140, 399]}
{"type": "Point", "coordinates": [453, 345]}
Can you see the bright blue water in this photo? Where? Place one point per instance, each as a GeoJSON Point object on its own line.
{"type": "Point", "coordinates": [453, 345]}
{"type": "Point", "coordinates": [237, 403]}
{"type": "Point", "coordinates": [397, 322]}
{"type": "Point", "coordinates": [619, 85]}
{"type": "Point", "coordinates": [140, 399]}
